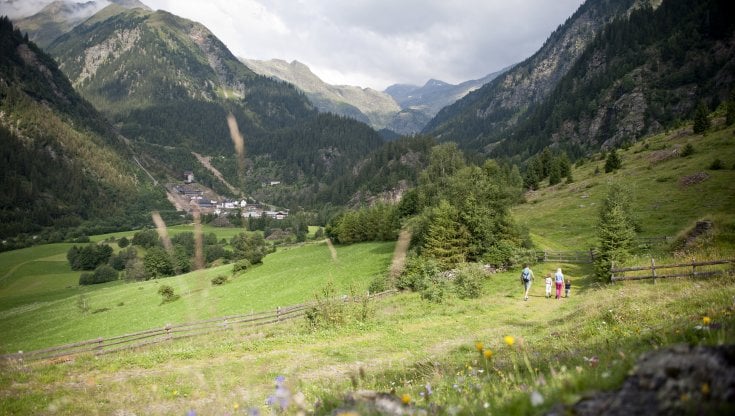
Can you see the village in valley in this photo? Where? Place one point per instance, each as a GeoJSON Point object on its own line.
{"type": "Point", "coordinates": [189, 195]}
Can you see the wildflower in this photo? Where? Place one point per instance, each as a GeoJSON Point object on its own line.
{"type": "Point", "coordinates": [705, 389]}
{"type": "Point", "coordinates": [235, 406]}
{"type": "Point", "coordinates": [428, 389]}
{"type": "Point", "coordinates": [509, 340]}
{"type": "Point", "coordinates": [175, 393]}
{"type": "Point", "coordinates": [406, 398]}
{"type": "Point", "coordinates": [486, 405]}
{"type": "Point", "coordinates": [478, 346]}
{"type": "Point", "coordinates": [706, 320]}
{"type": "Point", "coordinates": [536, 398]}
{"type": "Point", "coordinates": [487, 354]}
{"type": "Point", "coordinates": [191, 413]}
{"type": "Point", "coordinates": [253, 411]}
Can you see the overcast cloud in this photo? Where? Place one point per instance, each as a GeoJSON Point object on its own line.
{"type": "Point", "coordinates": [376, 43]}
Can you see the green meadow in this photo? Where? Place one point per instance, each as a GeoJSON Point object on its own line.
{"type": "Point", "coordinates": [493, 355]}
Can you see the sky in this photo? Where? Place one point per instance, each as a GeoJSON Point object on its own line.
{"type": "Point", "coordinates": [374, 43]}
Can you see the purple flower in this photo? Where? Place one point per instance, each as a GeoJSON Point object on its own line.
{"type": "Point", "coordinates": [191, 413]}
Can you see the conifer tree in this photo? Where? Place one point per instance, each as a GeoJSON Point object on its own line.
{"type": "Point", "coordinates": [446, 239]}
{"type": "Point", "coordinates": [613, 161]}
{"type": "Point", "coordinates": [701, 118]}
{"type": "Point", "coordinates": [616, 231]}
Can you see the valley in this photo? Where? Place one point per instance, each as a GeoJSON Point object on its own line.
{"type": "Point", "coordinates": [150, 177]}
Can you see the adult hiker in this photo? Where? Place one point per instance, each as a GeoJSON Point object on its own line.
{"type": "Point", "coordinates": [526, 278]}
{"type": "Point", "coordinates": [559, 281]}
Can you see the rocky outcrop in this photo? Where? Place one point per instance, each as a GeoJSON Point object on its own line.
{"type": "Point", "coordinates": [676, 381]}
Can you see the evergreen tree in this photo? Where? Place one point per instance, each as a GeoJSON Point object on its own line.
{"type": "Point", "coordinates": [446, 239]}
{"type": "Point", "coordinates": [730, 109]}
{"type": "Point", "coordinates": [555, 172]}
{"type": "Point", "coordinates": [613, 161]}
{"type": "Point", "coordinates": [701, 118]}
{"type": "Point", "coordinates": [616, 231]}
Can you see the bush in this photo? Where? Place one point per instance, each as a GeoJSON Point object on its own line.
{"type": "Point", "coordinates": [688, 150]}
{"type": "Point", "coordinates": [436, 289]}
{"type": "Point", "coordinates": [167, 293]}
{"type": "Point", "coordinates": [101, 274]}
{"type": "Point", "coordinates": [468, 282]}
{"type": "Point", "coordinates": [240, 266]}
{"type": "Point", "coordinates": [716, 165]}
{"type": "Point", "coordinates": [219, 280]}
{"type": "Point", "coordinates": [378, 284]}
{"type": "Point", "coordinates": [123, 242]}
{"type": "Point", "coordinates": [418, 272]}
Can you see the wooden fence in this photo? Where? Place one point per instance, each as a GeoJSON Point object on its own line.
{"type": "Point", "coordinates": [170, 332]}
{"type": "Point", "coordinates": [565, 256]}
{"type": "Point", "coordinates": [692, 269]}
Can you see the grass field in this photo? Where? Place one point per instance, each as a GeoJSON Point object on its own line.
{"type": "Point", "coordinates": [563, 217]}
{"type": "Point", "coordinates": [561, 349]}
{"type": "Point", "coordinates": [40, 299]}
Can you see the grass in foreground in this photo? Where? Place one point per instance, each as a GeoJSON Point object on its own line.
{"type": "Point", "coordinates": [407, 345]}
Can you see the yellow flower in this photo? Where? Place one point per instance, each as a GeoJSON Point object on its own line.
{"type": "Point", "coordinates": [705, 389]}
{"type": "Point", "coordinates": [478, 346]}
{"type": "Point", "coordinates": [509, 340]}
{"type": "Point", "coordinates": [406, 398]}
{"type": "Point", "coordinates": [706, 320]}
{"type": "Point", "coordinates": [235, 406]}
{"type": "Point", "coordinates": [487, 354]}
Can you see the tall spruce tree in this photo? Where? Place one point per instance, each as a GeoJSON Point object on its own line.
{"type": "Point", "coordinates": [701, 118]}
{"type": "Point", "coordinates": [615, 230]}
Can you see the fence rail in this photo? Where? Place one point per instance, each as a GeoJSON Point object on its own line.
{"type": "Point", "coordinates": [565, 256]}
{"type": "Point", "coordinates": [695, 269]}
{"type": "Point", "coordinates": [170, 332]}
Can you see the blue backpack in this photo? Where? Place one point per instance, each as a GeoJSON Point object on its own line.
{"type": "Point", "coordinates": [526, 275]}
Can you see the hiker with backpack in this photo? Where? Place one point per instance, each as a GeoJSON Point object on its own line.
{"type": "Point", "coordinates": [526, 278]}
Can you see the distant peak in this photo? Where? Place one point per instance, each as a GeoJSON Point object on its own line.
{"type": "Point", "coordinates": [435, 83]}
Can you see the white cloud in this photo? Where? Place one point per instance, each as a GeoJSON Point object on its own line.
{"type": "Point", "coordinates": [375, 43]}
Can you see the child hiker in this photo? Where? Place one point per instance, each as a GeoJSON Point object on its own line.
{"type": "Point", "coordinates": [567, 287]}
{"type": "Point", "coordinates": [548, 285]}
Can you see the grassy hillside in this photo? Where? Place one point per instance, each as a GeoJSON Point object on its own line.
{"type": "Point", "coordinates": [40, 299]}
{"type": "Point", "coordinates": [669, 192]}
{"type": "Point", "coordinates": [406, 344]}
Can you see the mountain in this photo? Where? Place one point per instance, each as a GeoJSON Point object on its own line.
{"type": "Point", "coordinates": [62, 164]}
{"type": "Point", "coordinates": [61, 16]}
{"type": "Point", "coordinates": [364, 104]}
{"type": "Point", "coordinates": [482, 116]}
{"type": "Point", "coordinates": [435, 94]}
{"type": "Point", "coordinates": [644, 72]}
{"type": "Point", "coordinates": [168, 84]}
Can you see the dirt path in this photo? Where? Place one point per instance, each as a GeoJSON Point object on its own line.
{"type": "Point", "coordinates": [206, 162]}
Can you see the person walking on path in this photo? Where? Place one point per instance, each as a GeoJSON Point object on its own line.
{"type": "Point", "coordinates": [559, 280]}
{"type": "Point", "coordinates": [548, 285]}
{"type": "Point", "coordinates": [567, 287]}
{"type": "Point", "coordinates": [526, 278]}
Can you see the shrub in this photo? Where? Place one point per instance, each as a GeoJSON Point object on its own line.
{"type": "Point", "coordinates": [240, 266]}
{"type": "Point", "coordinates": [688, 150]}
{"type": "Point", "coordinates": [328, 311]}
{"type": "Point", "coordinates": [417, 273]}
{"type": "Point", "coordinates": [101, 274]}
{"type": "Point", "coordinates": [468, 282]}
{"type": "Point", "coordinates": [378, 284]}
{"type": "Point", "coordinates": [167, 293]}
{"type": "Point", "coordinates": [123, 242]}
{"type": "Point", "coordinates": [716, 165]}
{"type": "Point", "coordinates": [219, 280]}
{"type": "Point", "coordinates": [436, 289]}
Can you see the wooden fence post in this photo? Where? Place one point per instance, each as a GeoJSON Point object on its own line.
{"type": "Point", "coordinates": [167, 328]}
{"type": "Point", "coordinates": [612, 276]}
{"type": "Point", "coordinates": [100, 340]}
{"type": "Point", "coordinates": [694, 268]}
{"type": "Point", "coordinates": [653, 270]}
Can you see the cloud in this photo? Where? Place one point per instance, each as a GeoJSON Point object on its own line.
{"type": "Point", "coordinates": [15, 9]}
{"type": "Point", "coordinates": [375, 43]}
